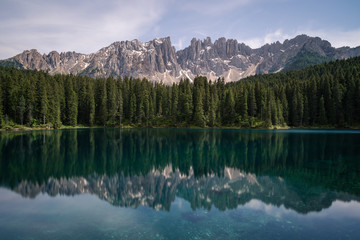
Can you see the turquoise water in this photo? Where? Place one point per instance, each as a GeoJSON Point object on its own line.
{"type": "Point", "coordinates": [180, 184]}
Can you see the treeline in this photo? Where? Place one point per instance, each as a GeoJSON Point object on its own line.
{"type": "Point", "coordinates": [36, 156]}
{"type": "Point", "coordinates": [323, 95]}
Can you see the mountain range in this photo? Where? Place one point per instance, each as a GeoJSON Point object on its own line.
{"type": "Point", "coordinates": [157, 60]}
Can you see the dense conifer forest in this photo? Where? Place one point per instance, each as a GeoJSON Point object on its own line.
{"type": "Point", "coordinates": [326, 95]}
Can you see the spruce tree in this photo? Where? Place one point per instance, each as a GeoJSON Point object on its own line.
{"type": "Point", "coordinates": [111, 100]}
{"type": "Point", "coordinates": [91, 104]}
{"type": "Point", "coordinates": [229, 108]}
{"type": "Point", "coordinates": [322, 112]}
{"type": "Point", "coordinates": [199, 117]}
{"type": "Point", "coordinates": [101, 112]}
{"type": "Point", "coordinates": [71, 103]}
{"type": "Point", "coordinates": [132, 109]}
{"type": "Point", "coordinates": [251, 102]}
{"type": "Point", "coordinates": [1, 108]}
{"type": "Point", "coordinates": [119, 100]}
{"type": "Point", "coordinates": [42, 99]}
{"type": "Point", "coordinates": [21, 109]}
{"type": "Point", "coordinates": [212, 110]}
{"type": "Point", "coordinates": [244, 105]}
{"type": "Point", "coordinates": [174, 102]}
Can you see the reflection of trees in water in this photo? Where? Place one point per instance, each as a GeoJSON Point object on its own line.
{"type": "Point", "coordinates": [326, 160]}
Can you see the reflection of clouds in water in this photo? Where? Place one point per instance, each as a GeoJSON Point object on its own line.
{"type": "Point", "coordinates": [338, 209]}
{"type": "Point", "coordinates": [270, 209]}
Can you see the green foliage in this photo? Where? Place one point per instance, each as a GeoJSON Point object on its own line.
{"type": "Point", "coordinates": [323, 95]}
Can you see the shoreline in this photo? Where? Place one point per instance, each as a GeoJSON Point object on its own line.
{"type": "Point", "coordinates": [26, 128]}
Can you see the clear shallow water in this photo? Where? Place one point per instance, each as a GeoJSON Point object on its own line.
{"type": "Point", "coordinates": [180, 184]}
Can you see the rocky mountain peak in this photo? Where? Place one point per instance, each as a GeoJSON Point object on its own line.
{"type": "Point", "coordinates": [158, 60]}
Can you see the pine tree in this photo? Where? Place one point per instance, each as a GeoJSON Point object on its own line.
{"type": "Point", "coordinates": [132, 108]}
{"type": "Point", "coordinates": [1, 107]}
{"type": "Point", "coordinates": [140, 95]}
{"type": "Point", "coordinates": [30, 101]}
{"type": "Point", "coordinates": [174, 102]}
{"type": "Point", "coordinates": [251, 102]}
{"type": "Point", "coordinates": [22, 108]}
{"type": "Point", "coordinates": [146, 104]}
{"type": "Point", "coordinates": [119, 100]}
{"type": "Point", "coordinates": [212, 110]}
{"type": "Point", "coordinates": [71, 103]}
{"type": "Point", "coordinates": [244, 105]}
{"type": "Point", "coordinates": [186, 101]}
{"type": "Point", "coordinates": [267, 109]}
{"type": "Point", "coordinates": [357, 101]}
{"type": "Point", "coordinates": [229, 108]}
{"type": "Point", "coordinates": [337, 105]}
{"type": "Point", "coordinates": [111, 100]}
{"type": "Point", "coordinates": [260, 100]}
{"type": "Point", "coordinates": [285, 105]}
{"type": "Point", "coordinates": [206, 97]}
{"type": "Point", "coordinates": [297, 108]}
{"type": "Point", "coordinates": [91, 104]}
{"type": "Point", "coordinates": [329, 107]}
{"type": "Point", "coordinates": [313, 101]}
{"type": "Point", "coordinates": [322, 112]}
{"type": "Point", "coordinates": [281, 120]}
{"type": "Point", "coordinates": [199, 117]}
{"type": "Point", "coordinates": [306, 118]}
{"type": "Point", "coordinates": [42, 99]}
{"type": "Point", "coordinates": [273, 109]}
{"type": "Point", "coordinates": [101, 110]}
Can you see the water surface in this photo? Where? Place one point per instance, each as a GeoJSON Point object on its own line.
{"type": "Point", "coordinates": [180, 184]}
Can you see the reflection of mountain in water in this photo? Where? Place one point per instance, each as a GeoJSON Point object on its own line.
{"type": "Point", "coordinates": [304, 172]}
{"type": "Point", "coordinates": [159, 189]}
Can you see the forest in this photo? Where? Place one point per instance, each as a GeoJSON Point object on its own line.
{"type": "Point", "coordinates": [325, 95]}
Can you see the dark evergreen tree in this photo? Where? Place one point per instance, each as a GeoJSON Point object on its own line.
{"type": "Point", "coordinates": [42, 99]}
{"type": "Point", "coordinates": [251, 102]}
{"type": "Point", "coordinates": [21, 109]}
{"type": "Point", "coordinates": [322, 112]}
{"type": "Point", "coordinates": [1, 108]}
{"type": "Point", "coordinates": [199, 117]}
{"type": "Point", "coordinates": [101, 102]}
{"type": "Point", "coordinates": [229, 108]}
{"type": "Point", "coordinates": [71, 103]}
{"type": "Point", "coordinates": [212, 111]}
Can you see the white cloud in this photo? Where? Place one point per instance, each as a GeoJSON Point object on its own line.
{"type": "Point", "coordinates": [212, 7]}
{"type": "Point", "coordinates": [270, 37]}
{"type": "Point", "coordinates": [337, 38]}
{"type": "Point", "coordinates": [84, 27]}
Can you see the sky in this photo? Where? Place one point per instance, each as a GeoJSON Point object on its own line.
{"type": "Point", "coordinates": [86, 26]}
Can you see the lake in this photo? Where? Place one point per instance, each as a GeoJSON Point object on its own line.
{"type": "Point", "coordinates": [180, 184]}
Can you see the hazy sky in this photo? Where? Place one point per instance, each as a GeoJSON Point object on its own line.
{"type": "Point", "coordinates": [87, 25]}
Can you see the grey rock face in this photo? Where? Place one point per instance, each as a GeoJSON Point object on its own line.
{"type": "Point", "coordinates": [157, 60]}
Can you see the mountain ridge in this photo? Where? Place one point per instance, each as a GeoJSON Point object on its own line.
{"type": "Point", "coordinates": [158, 60]}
